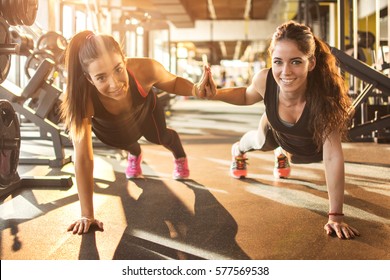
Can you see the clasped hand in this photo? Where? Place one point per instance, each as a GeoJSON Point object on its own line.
{"type": "Point", "coordinates": [205, 88]}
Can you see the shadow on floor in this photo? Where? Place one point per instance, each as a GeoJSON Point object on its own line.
{"type": "Point", "coordinates": [161, 227]}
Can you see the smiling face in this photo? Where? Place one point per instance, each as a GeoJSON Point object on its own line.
{"type": "Point", "coordinates": [290, 67]}
{"type": "Point", "coordinates": [108, 74]}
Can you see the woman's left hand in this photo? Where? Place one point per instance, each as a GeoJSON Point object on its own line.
{"type": "Point", "coordinates": [206, 87]}
{"type": "Point", "coordinates": [341, 229]}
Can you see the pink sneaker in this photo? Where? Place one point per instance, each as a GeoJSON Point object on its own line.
{"type": "Point", "coordinates": [238, 166]}
{"type": "Point", "coordinates": [133, 169]}
{"type": "Point", "coordinates": [282, 166]}
{"type": "Point", "coordinates": [181, 170]}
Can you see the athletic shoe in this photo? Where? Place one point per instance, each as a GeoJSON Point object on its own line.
{"type": "Point", "coordinates": [133, 169]}
{"type": "Point", "coordinates": [282, 166]}
{"type": "Point", "coordinates": [238, 165]}
{"type": "Point", "coordinates": [181, 170]}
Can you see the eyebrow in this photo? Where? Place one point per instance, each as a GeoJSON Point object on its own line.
{"type": "Point", "coordinates": [294, 58]}
{"type": "Point", "coordinates": [101, 74]}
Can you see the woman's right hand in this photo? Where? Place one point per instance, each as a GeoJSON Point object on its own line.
{"type": "Point", "coordinates": [83, 225]}
{"type": "Point", "coordinates": [206, 87]}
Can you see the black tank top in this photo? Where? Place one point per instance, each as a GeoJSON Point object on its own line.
{"type": "Point", "coordinates": [122, 130]}
{"type": "Point", "coordinates": [296, 139]}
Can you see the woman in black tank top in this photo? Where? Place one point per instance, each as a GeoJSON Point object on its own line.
{"type": "Point", "coordinates": [113, 97]}
{"type": "Point", "coordinates": [306, 113]}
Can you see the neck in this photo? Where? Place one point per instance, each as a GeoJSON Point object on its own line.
{"type": "Point", "coordinates": [292, 98]}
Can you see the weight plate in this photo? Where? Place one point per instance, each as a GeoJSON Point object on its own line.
{"type": "Point", "coordinates": [52, 40]}
{"type": "Point", "coordinates": [4, 32]}
{"type": "Point", "coordinates": [34, 60]}
{"type": "Point", "coordinates": [10, 143]}
{"type": "Point", "coordinates": [20, 11]}
{"type": "Point", "coordinates": [31, 9]}
{"type": "Point", "coordinates": [10, 14]}
{"type": "Point", "coordinates": [5, 59]}
{"type": "Point", "coordinates": [5, 65]}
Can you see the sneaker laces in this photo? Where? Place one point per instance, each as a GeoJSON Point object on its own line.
{"type": "Point", "coordinates": [240, 163]}
{"type": "Point", "coordinates": [133, 161]}
{"type": "Point", "coordinates": [282, 161]}
{"type": "Point", "coordinates": [180, 165]}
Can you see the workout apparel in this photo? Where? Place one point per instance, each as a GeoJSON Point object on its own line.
{"type": "Point", "coordinates": [296, 139]}
{"type": "Point", "coordinates": [147, 118]}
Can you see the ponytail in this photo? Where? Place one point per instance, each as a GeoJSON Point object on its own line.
{"type": "Point", "coordinates": [327, 95]}
{"type": "Point", "coordinates": [77, 93]}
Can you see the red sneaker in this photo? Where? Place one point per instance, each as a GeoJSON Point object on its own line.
{"type": "Point", "coordinates": [282, 166]}
{"type": "Point", "coordinates": [238, 166]}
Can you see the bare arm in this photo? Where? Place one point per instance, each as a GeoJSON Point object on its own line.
{"type": "Point", "coordinates": [245, 96]}
{"type": "Point", "coordinates": [171, 83]}
{"type": "Point", "coordinates": [150, 72]}
{"type": "Point", "coordinates": [83, 153]}
{"type": "Point", "coordinates": [334, 173]}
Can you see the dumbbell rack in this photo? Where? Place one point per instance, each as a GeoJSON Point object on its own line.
{"type": "Point", "coordinates": [12, 180]}
{"type": "Point", "coordinates": [48, 94]}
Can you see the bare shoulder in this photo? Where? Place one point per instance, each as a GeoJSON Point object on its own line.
{"type": "Point", "coordinates": [259, 81]}
{"type": "Point", "coordinates": [261, 76]}
{"type": "Point", "coordinates": [138, 63]}
{"type": "Point", "coordinates": [146, 70]}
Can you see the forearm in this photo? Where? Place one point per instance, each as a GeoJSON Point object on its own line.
{"type": "Point", "coordinates": [182, 87]}
{"type": "Point", "coordinates": [235, 96]}
{"type": "Point", "coordinates": [334, 173]}
{"type": "Point", "coordinates": [85, 186]}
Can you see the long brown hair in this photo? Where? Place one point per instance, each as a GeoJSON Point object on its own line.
{"type": "Point", "coordinates": [326, 93]}
{"type": "Point", "coordinates": [82, 50]}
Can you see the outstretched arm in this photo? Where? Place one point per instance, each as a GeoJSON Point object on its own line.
{"type": "Point", "coordinates": [334, 173]}
{"type": "Point", "coordinates": [83, 153]}
{"type": "Point", "coordinates": [151, 73]}
{"type": "Point", "coordinates": [241, 95]}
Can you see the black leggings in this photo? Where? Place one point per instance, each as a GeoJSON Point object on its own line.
{"type": "Point", "coordinates": [155, 130]}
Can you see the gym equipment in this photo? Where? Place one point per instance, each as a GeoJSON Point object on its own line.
{"type": "Point", "coordinates": [24, 41]}
{"type": "Point", "coordinates": [52, 41]}
{"type": "Point", "coordinates": [41, 94]}
{"type": "Point", "coordinates": [377, 128]}
{"type": "Point", "coordinates": [44, 96]}
{"type": "Point", "coordinates": [50, 45]}
{"type": "Point", "coordinates": [19, 12]}
{"type": "Point", "coordinates": [34, 60]}
{"type": "Point", "coordinates": [9, 143]}
{"type": "Point", "coordinates": [9, 157]}
{"type": "Point", "coordinates": [5, 50]}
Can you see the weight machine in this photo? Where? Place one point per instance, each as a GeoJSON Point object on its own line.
{"type": "Point", "coordinates": [14, 99]}
{"type": "Point", "coordinates": [376, 128]}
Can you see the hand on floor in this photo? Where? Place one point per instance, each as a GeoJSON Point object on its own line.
{"type": "Point", "coordinates": [341, 229]}
{"type": "Point", "coordinates": [83, 225]}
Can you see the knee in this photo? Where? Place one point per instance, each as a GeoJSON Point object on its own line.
{"type": "Point", "coordinates": [168, 137]}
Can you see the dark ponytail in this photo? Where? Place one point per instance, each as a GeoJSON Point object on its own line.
{"type": "Point", "coordinates": [74, 105]}
{"type": "Point", "coordinates": [326, 93]}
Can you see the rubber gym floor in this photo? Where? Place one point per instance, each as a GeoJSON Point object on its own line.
{"type": "Point", "coordinates": [209, 216]}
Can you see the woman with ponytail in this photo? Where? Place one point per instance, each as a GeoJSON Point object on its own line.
{"type": "Point", "coordinates": [306, 113]}
{"type": "Point", "coordinates": [112, 96]}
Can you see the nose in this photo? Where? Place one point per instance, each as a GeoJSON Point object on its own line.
{"type": "Point", "coordinates": [113, 81]}
{"type": "Point", "coordinates": [286, 69]}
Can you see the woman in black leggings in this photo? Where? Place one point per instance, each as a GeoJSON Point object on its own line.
{"type": "Point", "coordinates": [112, 96]}
{"type": "Point", "coordinates": [306, 114]}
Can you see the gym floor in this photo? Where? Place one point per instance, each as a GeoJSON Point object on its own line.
{"type": "Point", "coordinates": [211, 215]}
